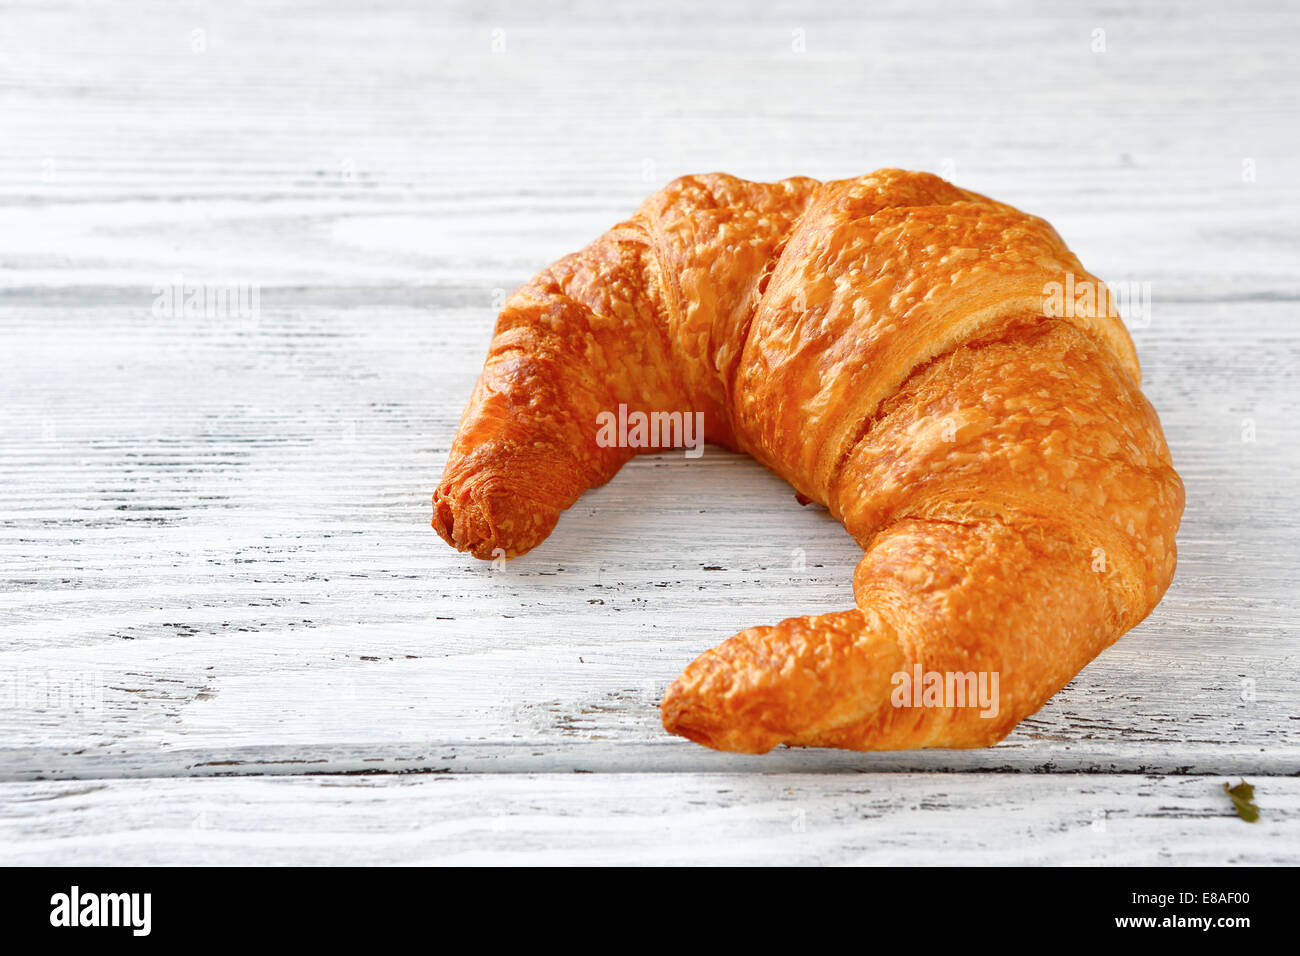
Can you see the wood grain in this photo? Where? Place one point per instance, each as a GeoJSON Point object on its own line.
{"type": "Point", "coordinates": [214, 546]}
{"type": "Point", "coordinates": [649, 819]}
{"type": "Point", "coordinates": [241, 557]}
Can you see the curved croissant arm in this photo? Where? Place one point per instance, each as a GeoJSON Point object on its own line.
{"type": "Point", "coordinates": [1017, 508]}
{"type": "Point", "coordinates": [580, 337]}
{"type": "Point", "coordinates": [652, 316]}
{"type": "Point", "coordinates": [880, 343]}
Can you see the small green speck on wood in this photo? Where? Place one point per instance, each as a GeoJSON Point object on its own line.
{"type": "Point", "coordinates": [1243, 796]}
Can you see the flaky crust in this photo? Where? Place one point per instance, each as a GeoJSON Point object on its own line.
{"type": "Point", "coordinates": [882, 343]}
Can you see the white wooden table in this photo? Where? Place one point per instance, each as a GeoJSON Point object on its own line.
{"type": "Point", "coordinates": [227, 632]}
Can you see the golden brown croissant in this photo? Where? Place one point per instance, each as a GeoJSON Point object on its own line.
{"type": "Point", "coordinates": [896, 348]}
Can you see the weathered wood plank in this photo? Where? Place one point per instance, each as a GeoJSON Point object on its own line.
{"type": "Point", "coordinates": [882, 819]}
{"type": "Point", "coordinates": [226, 544]}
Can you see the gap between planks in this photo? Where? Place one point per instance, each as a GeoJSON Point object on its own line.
{"type": "Point", "coordinates": [670, 757]}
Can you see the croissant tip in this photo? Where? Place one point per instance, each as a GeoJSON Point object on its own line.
{"type": "Point", "coordinates": [471, 532]}
{"type": "Point", "coordinates": [491, 525]}
{"type": "Point", "coordinates": [688, 715]}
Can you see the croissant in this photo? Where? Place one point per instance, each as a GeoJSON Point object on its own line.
{"type": "Point", "coordinates": [900, 351]}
